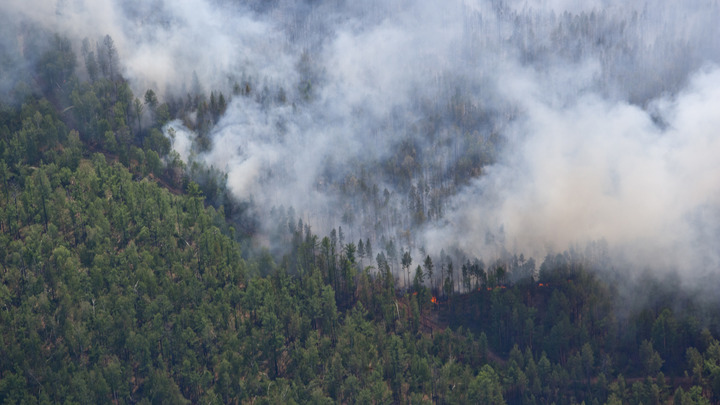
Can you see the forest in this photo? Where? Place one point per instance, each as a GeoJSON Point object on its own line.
{"type": "Point", "coordinates": [297, 231]}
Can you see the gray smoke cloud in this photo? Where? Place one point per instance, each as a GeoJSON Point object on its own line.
{"type": "Point", "coordinates": [598, 169]}
{"type": "Point", "coordinates": [164, 44]}
{"type": "Point", "coordinates": [595, 120]}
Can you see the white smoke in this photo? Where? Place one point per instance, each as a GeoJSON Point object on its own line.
{"type": "Point", "coordinates": [608, 110]}
{"type": "Point", "coordinates": [163, 45]}
{"type": "Point", "coordinates": [597, 169]}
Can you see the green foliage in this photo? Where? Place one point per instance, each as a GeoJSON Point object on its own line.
{"type": "Point", "coordinates": [57, 64]}
{"type": "Point", "coordinates": [114, 289]}
{"type": "Point", "coordinates": [486, 388]}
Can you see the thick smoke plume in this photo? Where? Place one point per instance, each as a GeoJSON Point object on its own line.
{"type": "Point", "coordinates": [489, 126]}
{"type": "Point", "coordinates": [599, 169]}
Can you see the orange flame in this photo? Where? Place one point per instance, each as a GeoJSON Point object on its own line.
{"type": "Point", "coordinates": [434, 300]}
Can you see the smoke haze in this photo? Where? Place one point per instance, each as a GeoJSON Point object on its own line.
{"type": "Point", "coordinates": [492, 125]}
{"type": "Point", "coordinates": [597, 169]}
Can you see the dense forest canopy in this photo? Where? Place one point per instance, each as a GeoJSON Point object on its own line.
{"type": "Point", "coordinates": [313, 201]}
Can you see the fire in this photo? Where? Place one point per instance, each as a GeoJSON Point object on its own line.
{"type": "Point", "coordinates": [434, 300]}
